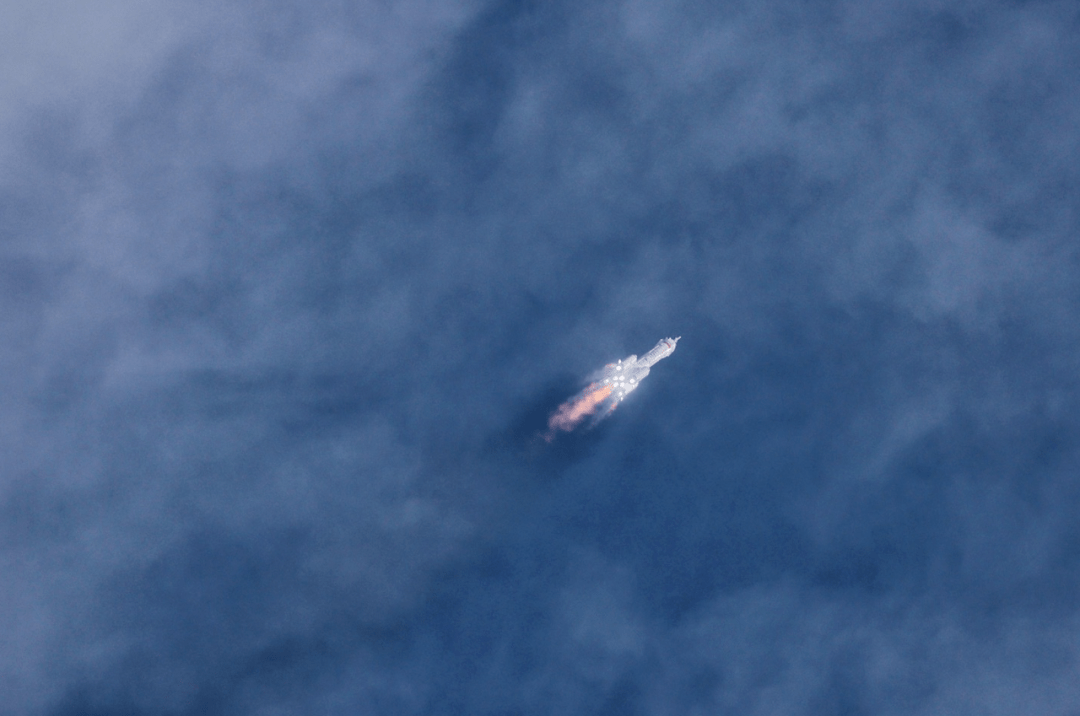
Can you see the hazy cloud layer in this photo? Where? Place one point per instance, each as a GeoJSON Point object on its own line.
{"type": "Point", "coordinates": [289, 291]}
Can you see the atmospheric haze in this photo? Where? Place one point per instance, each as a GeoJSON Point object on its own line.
{"type": "Point", "coordinates": [289, 291]}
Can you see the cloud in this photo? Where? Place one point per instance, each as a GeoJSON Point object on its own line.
{"type": "Point", "coordinates": [279, 282]}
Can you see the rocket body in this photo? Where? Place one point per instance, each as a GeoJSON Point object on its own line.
{"type": "Point", "coordinates": [626, 375]}
{"type": "Point", "coordinates": [613, 383]}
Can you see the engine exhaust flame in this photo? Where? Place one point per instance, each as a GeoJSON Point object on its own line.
{"type": "Point", "coordinates": [572, 412]}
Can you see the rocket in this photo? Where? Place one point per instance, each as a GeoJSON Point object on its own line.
{"type": "Point", "coordinates": [613, 383]}
{"type": "Point", "coordinates": [626, 375]}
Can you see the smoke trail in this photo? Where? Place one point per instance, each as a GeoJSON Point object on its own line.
{"type": "Point", "coordinates": [572, 412]}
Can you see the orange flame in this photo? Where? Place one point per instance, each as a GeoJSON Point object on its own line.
{"type": "Point", "coordinates": [571, 413]}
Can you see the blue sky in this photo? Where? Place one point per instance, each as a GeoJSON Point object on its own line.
{"type": "Point", "coordinates": [289, 291]}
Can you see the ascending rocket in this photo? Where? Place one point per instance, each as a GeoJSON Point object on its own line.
{"type": "Point", "coordinates": [613, 383]}
{"type": "Point", "coordinates": [627, 374]}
